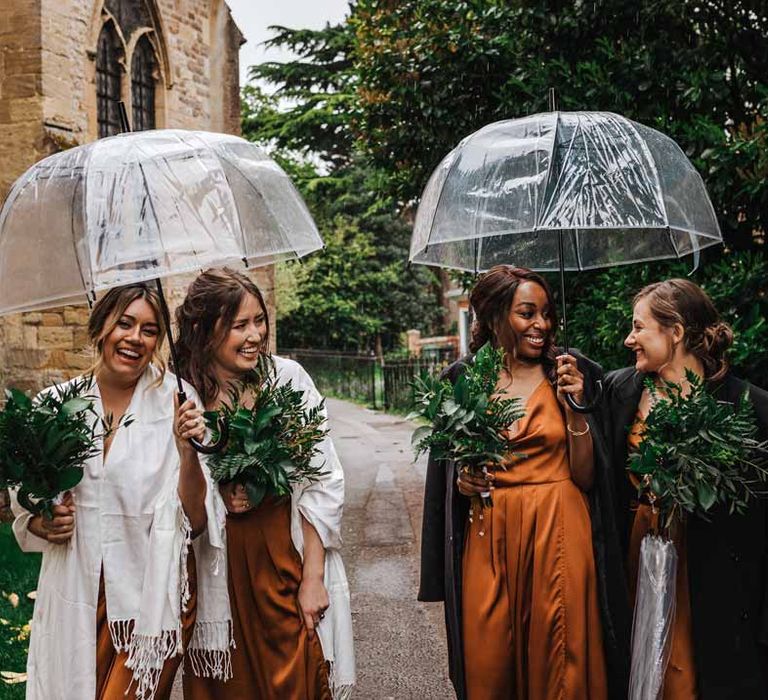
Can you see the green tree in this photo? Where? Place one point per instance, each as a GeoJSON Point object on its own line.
{"type": "Point", "coordinates": [429, 72]}
{"type": "Point", "coordinates": [358, 293]}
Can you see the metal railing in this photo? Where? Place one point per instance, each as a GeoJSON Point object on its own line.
{"type": "Point", "coordinates": [398, 380]}
{"type": "Point", "coordinates": [339, 374]}
{"type": "Point", "coordinates": [364, 377]}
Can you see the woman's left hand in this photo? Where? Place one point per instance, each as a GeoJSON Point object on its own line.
{"type": "Point", "coordinates": [569, 380]}
{"type": "Point", "coordinates": [313, 601]}
{"type": "Point", "coordinates": [187, 423]}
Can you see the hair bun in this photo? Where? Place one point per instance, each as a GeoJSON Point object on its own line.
{"type": "Point", "coordinates": [716, 340]}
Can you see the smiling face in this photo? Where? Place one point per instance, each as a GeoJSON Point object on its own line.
{"type": "Point", "coordinates": [239, 349]}
{"type": "Point", "coordinates": [128, 348]}
{"type": "Point", "coordinates": [652, 343]}
{"type": "Point", "coordinates": [529, 327]}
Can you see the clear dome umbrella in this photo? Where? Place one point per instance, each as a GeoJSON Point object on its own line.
{"type": "Point", "coordinates": [142, 206]}
{"type": "Point", "coordinates": [562, 191]}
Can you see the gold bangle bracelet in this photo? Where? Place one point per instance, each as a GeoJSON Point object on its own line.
{"type": "Point", "coordinates": [577, 433]}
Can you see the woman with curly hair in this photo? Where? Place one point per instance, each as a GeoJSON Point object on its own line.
{"type": "Point", "coordinates": [528, 613]}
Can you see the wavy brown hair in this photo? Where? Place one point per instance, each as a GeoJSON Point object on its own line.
{"type": "Point", "coordinates": [707, 337]}
{"type": "Point", "coordinates": [204, 319]}
{"type": "Point", "coordinates": [108, 310]}
{"type": "Point", "coordinates": [491, 299]}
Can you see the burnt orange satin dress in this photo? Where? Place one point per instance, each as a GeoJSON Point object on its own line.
{"type": "Point", "coordinates": [113, 679]}
{"type": "Point", "coordinates": [530, 614]}
{"type": "Point", "coordinates": [273, 658]}
{"type": "Point", "coordinates": [680, 678]}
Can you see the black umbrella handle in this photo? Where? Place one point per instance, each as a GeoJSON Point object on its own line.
{"type": "Point", "coordinates": [222, 426]}
{"type": "Point", "coordinates": [214, 447]}
{"type": "Point", "coordinates": [590, 407]}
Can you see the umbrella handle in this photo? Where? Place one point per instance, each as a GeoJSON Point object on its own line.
{"type": "Point", "coordinates": [214, 447]}
{"type": "Point", "coordinates": [24, 498]}
{"type": "Point", "coordinates": [590, 407]}
{"type": "Point", "coordinates": [217, 446]}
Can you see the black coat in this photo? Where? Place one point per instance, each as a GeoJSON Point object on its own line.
{"type": "Point", "coordinates": [727, 557]}
{"type": "Point", "coordinates": [442, 544]}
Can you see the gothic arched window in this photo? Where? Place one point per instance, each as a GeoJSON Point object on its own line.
{"type": "Point", "coordinates": [143, 86]}
{"type": "Point", "coordinates": [108, 76]}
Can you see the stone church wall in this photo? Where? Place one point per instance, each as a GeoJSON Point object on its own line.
{"type": "Point", "coordinates": [48, 102]}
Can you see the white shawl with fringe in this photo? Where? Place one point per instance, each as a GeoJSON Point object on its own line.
{"type": "Point", "coordinates": [130, 524]}
{"type": "Point", "coordinates": [321, 503]}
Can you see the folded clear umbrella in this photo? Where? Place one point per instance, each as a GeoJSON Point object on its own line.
{"type": "Point", "coordinates": [652, 627]}
{"type": "Point", "coordinates": [562, 191]}
{"type": "Point", "coordinates": [142, 206]}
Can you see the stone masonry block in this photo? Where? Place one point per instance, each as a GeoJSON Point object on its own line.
{"type": "Point", "coordinates": [52, 319]}
{"type": "Point", "coordinates": [55, 338]}
{"type": "Point", "coordinates": [76, 315]}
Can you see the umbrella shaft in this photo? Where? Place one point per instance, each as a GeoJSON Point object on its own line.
{"type": "Point", "coordinates": [561, 256]}
{"type": "Point", "coordinates": [167, 322]}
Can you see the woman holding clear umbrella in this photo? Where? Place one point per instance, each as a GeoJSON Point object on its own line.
{"type": "Point", "coordinates": [719, 647]}
{"type": "Point", "coordinates": [519, 578]}
{"type": "Point", "coordinates": [287, 586]}
{"type": "Point", "coordinates": [117, 595]}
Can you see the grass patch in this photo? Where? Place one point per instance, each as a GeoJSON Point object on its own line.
{"type": "Point", "coordinates": [18, 574]}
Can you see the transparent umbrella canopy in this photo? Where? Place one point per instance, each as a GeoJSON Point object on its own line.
{"type": "Point", "coordinates": [142, 206]}
{"type": "Point", "coordinates": [615, 191]}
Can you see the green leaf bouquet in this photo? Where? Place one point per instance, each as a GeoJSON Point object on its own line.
{"type": "Point", "coordinates": [467, 423]}
{"type": "Point", "coordinates": [274, 436]}
{"type": "Point", "coordinates": [44, 443]}
{"type": "Point", "coordinates": [697, 452]}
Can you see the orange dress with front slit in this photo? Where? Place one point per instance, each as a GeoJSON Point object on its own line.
{"type": "Point", "coordinates": [680, 677]}
{"type": "Point", "coordinates": [274, 657]}
{"type": "Point", "coordinates": [530, 616]}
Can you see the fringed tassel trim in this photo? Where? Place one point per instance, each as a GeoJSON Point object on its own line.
{"type": "Point", "coordinates": [340, 690]}
{"type": "Point", "coordinates": [121, 632]}
{"type": "Point", "coordinates": [146, 657]}
{"type": "Point", "coordinates": [186, 530]}
{"type": "Point", "coordinates": [209, 651]}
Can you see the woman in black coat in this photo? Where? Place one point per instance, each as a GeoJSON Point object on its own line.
{"type": "Point", "coordinates": [720, 640]}
{"type": "Point", "coordinates": [445, 526]}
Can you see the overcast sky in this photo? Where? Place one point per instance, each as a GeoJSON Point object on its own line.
{"type": "Point", "coordinates": [254, 16]}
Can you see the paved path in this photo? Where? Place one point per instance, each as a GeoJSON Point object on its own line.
{"type": "Point", "coordinates": [400, 643]}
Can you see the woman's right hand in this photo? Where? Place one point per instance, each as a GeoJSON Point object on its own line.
{"type": "Point", "coordinates": [472, 483]}
{"type": "Point", "coordinates": [60, 528]}
{"type": "Point", "coordinates": [235, 497]}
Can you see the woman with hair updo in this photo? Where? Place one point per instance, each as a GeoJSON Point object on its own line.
{"type": "Point", "coordinates": [719, 647]}
{"type": "Point", "coordinates": [117, 595]}
{"type": "Point", "coordinates": [528, 614]}
{"type": "Point", "coordinates": [286, 582]}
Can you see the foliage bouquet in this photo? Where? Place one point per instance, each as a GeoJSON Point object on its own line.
{"type": "Point", "coordinates": [273, 436]}
{"type": "Point", "coordinates": [44, 443]}
{"type": "Point", "coordinates": [468, 424]}
{"type": "Point", "coordinates": [697, 451]}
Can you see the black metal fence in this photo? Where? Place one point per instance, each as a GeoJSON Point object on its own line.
{"type": "Point", "coordinates": [398, 380]}
{"type": "Point", "coordinates": [344, 375]}
{"type": "Point", "coordinates": [387, 384]}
